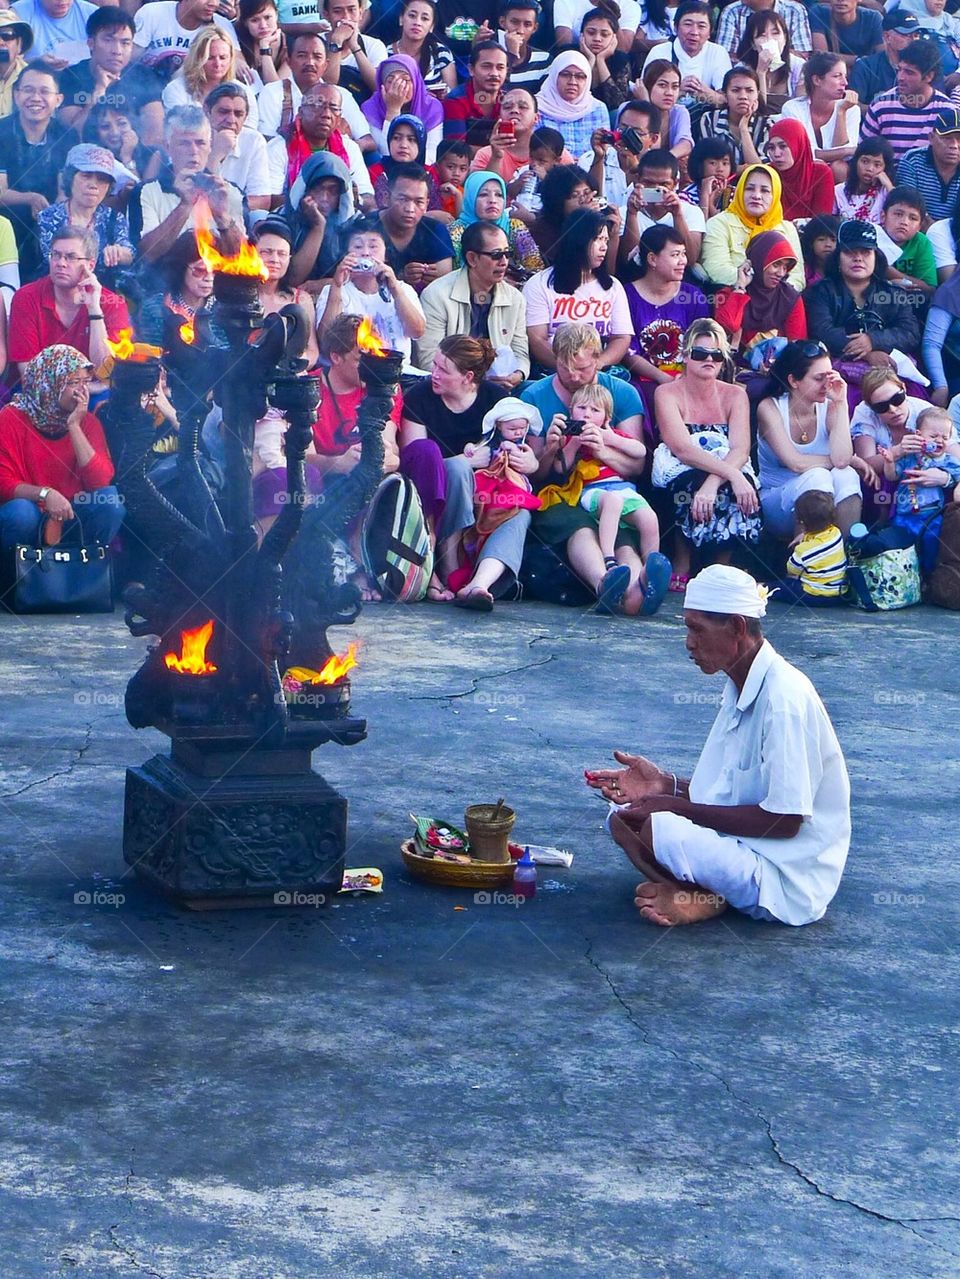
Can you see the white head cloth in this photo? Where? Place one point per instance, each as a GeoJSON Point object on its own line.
{"type": "Point", "coordinates": [722, 589]}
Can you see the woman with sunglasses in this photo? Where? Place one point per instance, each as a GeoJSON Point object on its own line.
{"type": "Point", "coordinates": [855, 311]}
{"type": "Point", "coordinates": [804, 440]}
{"type": "Point", "coordinates": [886, 418]}
{"type": "Point", "coordinates": [703, 460]}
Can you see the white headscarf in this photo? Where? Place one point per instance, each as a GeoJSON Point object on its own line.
{"type": "Point", "coordinates": [552, 104]}
{"type": "Point", "coordinates": [722, 589]}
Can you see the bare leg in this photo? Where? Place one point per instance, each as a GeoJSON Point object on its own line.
{"type": "Point", "coordinates": [681, 555]}
{"type": "Point", "coordinates": [585, 556]}
{"type": "Point", "coordinates": [663, 899]}
{"type": "Point", "coordinates": [848, 512]}
{"type": "Point", "coordinates": [488, 573]}
{"type": "Point", "coordinates": [609, 510]}
{"type": "Point", "coordinates": [633, 597]}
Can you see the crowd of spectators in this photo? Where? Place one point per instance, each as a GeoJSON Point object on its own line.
{"type": "Point", "coordinates": [659, 272]}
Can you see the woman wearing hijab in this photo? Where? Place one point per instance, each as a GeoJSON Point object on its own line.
{"type": "Point", "coordinates": [485, 200]}
{"type": "Point", "coordinates": [567, 105]}
{"type": "Point", "coordinates": [763, 304]}
{"type": "Point", "coordinates": [401, 91]}
{"type": "Point", "coordinates": [755, 207]}
{"type": "Point", "coordinates": [319, 203]}
{"type": "Point", "coordinates": [55, 468]}
{"type": "Point", "coordinates": [406, 144]}
{"type": "Point", "coordinates": [807, 183]}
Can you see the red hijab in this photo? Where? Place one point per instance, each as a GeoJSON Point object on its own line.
{"type": "Point", "coordinates": [808, 184]}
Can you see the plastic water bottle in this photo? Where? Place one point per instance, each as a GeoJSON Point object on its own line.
{"type": "Point", "coordinates": [858, 533]}
{"type": "Point", "coordinates": [525, 876]}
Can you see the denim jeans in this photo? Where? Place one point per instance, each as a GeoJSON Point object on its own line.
{"type": "Point", "coordinates": [98, 516]}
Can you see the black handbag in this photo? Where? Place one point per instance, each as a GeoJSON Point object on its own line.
{"type": "Point", "coordinates": [63, 579]}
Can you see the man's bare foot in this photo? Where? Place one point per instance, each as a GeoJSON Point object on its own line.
{"type": "Point", "coordinates": [670, 904]}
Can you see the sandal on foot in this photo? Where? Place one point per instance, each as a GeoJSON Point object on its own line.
{"type": "Point", "coordinates": [659, 577]}
{"type": "Point", "coordinates": [476, 601]}
{"type": "Point", "coordinates": [439, 594]}
{"type": "Point", "coordinates": [678, 583]}
{"type": "Point", "coordinates": [612, 588]}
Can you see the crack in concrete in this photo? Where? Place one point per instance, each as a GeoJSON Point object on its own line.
{"type": "Point", "coordinates": [131, 1256]}
{"type": "Point", "coordinates": [478, 679]}
{"type": "Point", "coordinates": [905, 1223]}
{"type": "Point", "coordinates": [62, 772]}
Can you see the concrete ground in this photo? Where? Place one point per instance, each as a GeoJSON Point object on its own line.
{"type": "Point", "coordinates": [395, 1087]}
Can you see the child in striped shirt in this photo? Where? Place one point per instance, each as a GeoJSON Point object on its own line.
{"type": "Point", "coordinates": [817, 565]}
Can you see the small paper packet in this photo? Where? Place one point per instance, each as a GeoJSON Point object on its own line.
{"type": "Point", "coordinates": [362, 879]}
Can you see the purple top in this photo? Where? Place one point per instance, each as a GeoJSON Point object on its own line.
{"type": "Point", "coordinates": [423, 104]}
{"type": "Point", "coordinates": [658, 330]}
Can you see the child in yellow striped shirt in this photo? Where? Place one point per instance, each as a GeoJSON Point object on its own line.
{"type": "Point", "coordinates": [818, 560]}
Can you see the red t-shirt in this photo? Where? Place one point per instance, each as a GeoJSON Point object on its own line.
{"type": "Point", "coordinates": [337, 416]}
{"type": "Point", "coordinates": [27, 457]}
{"type": "Point", "coordinates": [35, 325]}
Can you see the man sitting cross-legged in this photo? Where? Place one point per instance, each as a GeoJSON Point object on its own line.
{"type": "Point", "coordinates": [763, 824]}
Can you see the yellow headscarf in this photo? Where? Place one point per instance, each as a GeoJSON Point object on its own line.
{"type": "Point", "coordinates": [773, 216]}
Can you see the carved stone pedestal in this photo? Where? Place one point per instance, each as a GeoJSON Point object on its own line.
{"type": "Point", "coordinates": [230, 828]}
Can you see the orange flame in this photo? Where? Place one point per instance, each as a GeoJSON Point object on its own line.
{"type": "Point", "coordinates": [335, 668]}
{"type": "Point", "coordinates": [193, 652]}
{"type": "Point", "coordinates": [368, 339]}
{"type": "Point", "coordinates": [126, 349]}
{"type": "Point", "coordinates": [187, 332]}
{"type": "Point", "coordinates": [247, 262]}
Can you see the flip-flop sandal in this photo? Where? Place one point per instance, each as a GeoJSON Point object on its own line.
{"type": "Point", "coordinates": [678, 583]}
{"type": "Point", "coordinates": [613, 587]}
{"type": "Point", "coordinates": [659, 576]}
{"type": "Point", "coordinates": [476, 602]}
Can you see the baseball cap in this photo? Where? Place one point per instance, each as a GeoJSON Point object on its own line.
{"type": "Point", "coordinates": [947, 121]}
{"type": "Point", "coordinates": [899, 20]}
{"type": "Point", "coordinates": [856, 235]}
{"type": "Point", "coordinates": [9, 19]}
{"type": "Point", "coordinates": [86, 157]}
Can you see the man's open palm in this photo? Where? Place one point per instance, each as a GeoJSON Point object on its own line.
{"type": "Point", "coordinates": [639, 779]}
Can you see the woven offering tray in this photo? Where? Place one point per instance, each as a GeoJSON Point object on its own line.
{"type": "Point", "coordinates": [434, 870]}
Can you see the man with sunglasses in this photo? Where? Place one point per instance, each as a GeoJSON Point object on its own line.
{"type": "Point", "coordinates": [15, 39]}
{"type": "Point", "coordinates": [476, 301]}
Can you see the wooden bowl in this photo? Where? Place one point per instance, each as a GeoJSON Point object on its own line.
{"type": "Point", "coordinates": [433, 870]}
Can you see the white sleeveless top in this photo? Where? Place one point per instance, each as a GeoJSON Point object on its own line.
{"type": "Point", "coordinates": [773, 473]}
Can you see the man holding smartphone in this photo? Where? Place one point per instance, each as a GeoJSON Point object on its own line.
{"type": "Point", "coordinates": [477, 102]}
{"type": "Point", "coordinates": [655, 201]}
